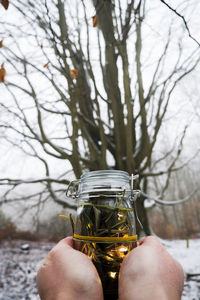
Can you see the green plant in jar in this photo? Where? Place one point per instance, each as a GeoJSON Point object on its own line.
{"type": "Point", "coordinates": [105, 224]}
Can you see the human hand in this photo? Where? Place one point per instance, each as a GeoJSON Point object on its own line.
{"type": "Point", "coordinates": [68, 274]}
{"type": "Point", "coordinates": [150, 272]}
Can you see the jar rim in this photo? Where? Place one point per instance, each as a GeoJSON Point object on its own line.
{"type": "Point", "coordinates": [100, 173]}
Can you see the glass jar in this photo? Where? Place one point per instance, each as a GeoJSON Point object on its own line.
{"type": "Point", "coordinates": [105, 223]}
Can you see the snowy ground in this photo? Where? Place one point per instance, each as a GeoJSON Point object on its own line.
{"type": "Point", "coordinates": [18, 269]}
{"type": "Point", "coordinates": [189, 258]}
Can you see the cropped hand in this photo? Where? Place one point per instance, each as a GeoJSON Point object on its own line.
{"type": "Point", "coordinates": [150, 272]}
{"type": "Point", "coordinates": [68, 274]}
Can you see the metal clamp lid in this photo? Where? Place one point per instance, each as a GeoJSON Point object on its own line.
{"type": "Point", "coordinates": [72, 190]}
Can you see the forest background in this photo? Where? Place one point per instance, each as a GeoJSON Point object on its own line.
{"type": "Point", "coordinates": [99, 85]}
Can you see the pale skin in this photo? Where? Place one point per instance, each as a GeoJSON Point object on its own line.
{"type": "Point", "coordinates": [148, 272]}
{"type": "Point", "coordinates": [68, 274]}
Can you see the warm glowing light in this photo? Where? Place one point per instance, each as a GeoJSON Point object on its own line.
{"type": "Point", "coordinates": [120, 216]}
{"type": "Point", "coordinates": [109, 256]}
{"type": "Point", "coordinates": [112, 274]}
{"type": "Point", "coordinates": [119, 252]}
{"type": "Point", "coordinates": [123, 249]}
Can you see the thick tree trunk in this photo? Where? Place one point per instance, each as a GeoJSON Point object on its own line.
{"type": "Point", "coordinates": [141, 212]}
{"type": "Point", "coordinates": [142, 215]}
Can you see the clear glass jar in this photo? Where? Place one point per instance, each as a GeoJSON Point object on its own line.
{"type": "Point", "coordinates": [105, 223]}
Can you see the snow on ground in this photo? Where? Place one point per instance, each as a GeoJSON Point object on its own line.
{"type": "Point", "coordinates": [18, 268]}
{"type": "Point", "coordinates": [189, 258]}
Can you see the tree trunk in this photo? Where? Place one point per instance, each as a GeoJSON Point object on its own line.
{"type": "Point", "coordinates": [142, 215]}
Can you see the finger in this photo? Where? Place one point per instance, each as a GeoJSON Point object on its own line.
{"type": "Point", "coordinates": [142, 240]}
{"type": "Point", "coordinates": [69, 241]}
{"type": "Point", "coordinates": [65, 243]}
{"type": "Point", "coordinates": [65, 249]}
{"type": "Point", "coordinates": [77, 245]}
{"type": "Point", "coordinates": [73, 244]}
{"type": "Point", "coordinates": [149, 240]}
{"type": "Point", "coordinates": [61, 249]}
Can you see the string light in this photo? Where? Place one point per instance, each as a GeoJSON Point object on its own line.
{"type": "Point", "coordinates": [112, 274]}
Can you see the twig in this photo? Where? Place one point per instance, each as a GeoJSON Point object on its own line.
{"type": "Point", "coordinates": [9, 181]}
{"type": "Point", "coordinates": [192, 274]}
{"type": "Point", "coordinates": [184, 21]}
{"type": "Point", "coordinates": [158, 173]}
{"type": "Point", "coordinates": [159, 201]}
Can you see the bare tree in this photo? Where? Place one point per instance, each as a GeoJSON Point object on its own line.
{"type": "Point", "coordinates": [181, 216]}
{"type": "Point", "coordinates": [81, 92]}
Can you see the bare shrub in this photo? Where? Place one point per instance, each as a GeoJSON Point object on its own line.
{"type": "Point", "coordinates": [170, 231]}
{"type": "Point", "coordinates": [54, 229]}
{"type": "Point", "coordinates": [8, 230]}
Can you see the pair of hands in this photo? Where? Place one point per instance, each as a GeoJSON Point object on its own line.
{"type": "Point", "coordinates": [147, 272]}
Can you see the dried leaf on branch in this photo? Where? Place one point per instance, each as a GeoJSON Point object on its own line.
{"type": "Point", "coordinates": [41, 46]}
{"type": "Point", "coordinates": [2, 73]}
{"type": "Point", "coordinates": [5, 3]}
{"type": "Point", "coordinates": [46, 65]}
{"type": "Point", "coordinates": [74, 73]}
{"type": "Point", "coordinates": [94, 21]}
{"type": "Point", "coordinates": [1, 43]}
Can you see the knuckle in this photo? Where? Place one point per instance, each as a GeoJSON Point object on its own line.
{"type": "Point", "coordinates": [53, 254]}
{"type": "Point", "coordinates": [152, 240]}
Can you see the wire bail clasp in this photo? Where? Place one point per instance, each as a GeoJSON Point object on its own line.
{"type": "Point", "coordinates": [134, 196]}
{"type": "Point", "coordinates": [72, 189]}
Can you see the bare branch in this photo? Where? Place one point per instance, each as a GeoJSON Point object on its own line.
{"type": "Point", "coordinates": [184, 21]}
{"type": "Point", "coordinates": [9, 181]}
{"type": "Point", "coordinates": [158, 200]}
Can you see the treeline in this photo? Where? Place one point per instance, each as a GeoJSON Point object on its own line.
{"type": "Point", "coordinates": [180, 220]}
{"type": "Point", "coordinates": [52, 230]}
